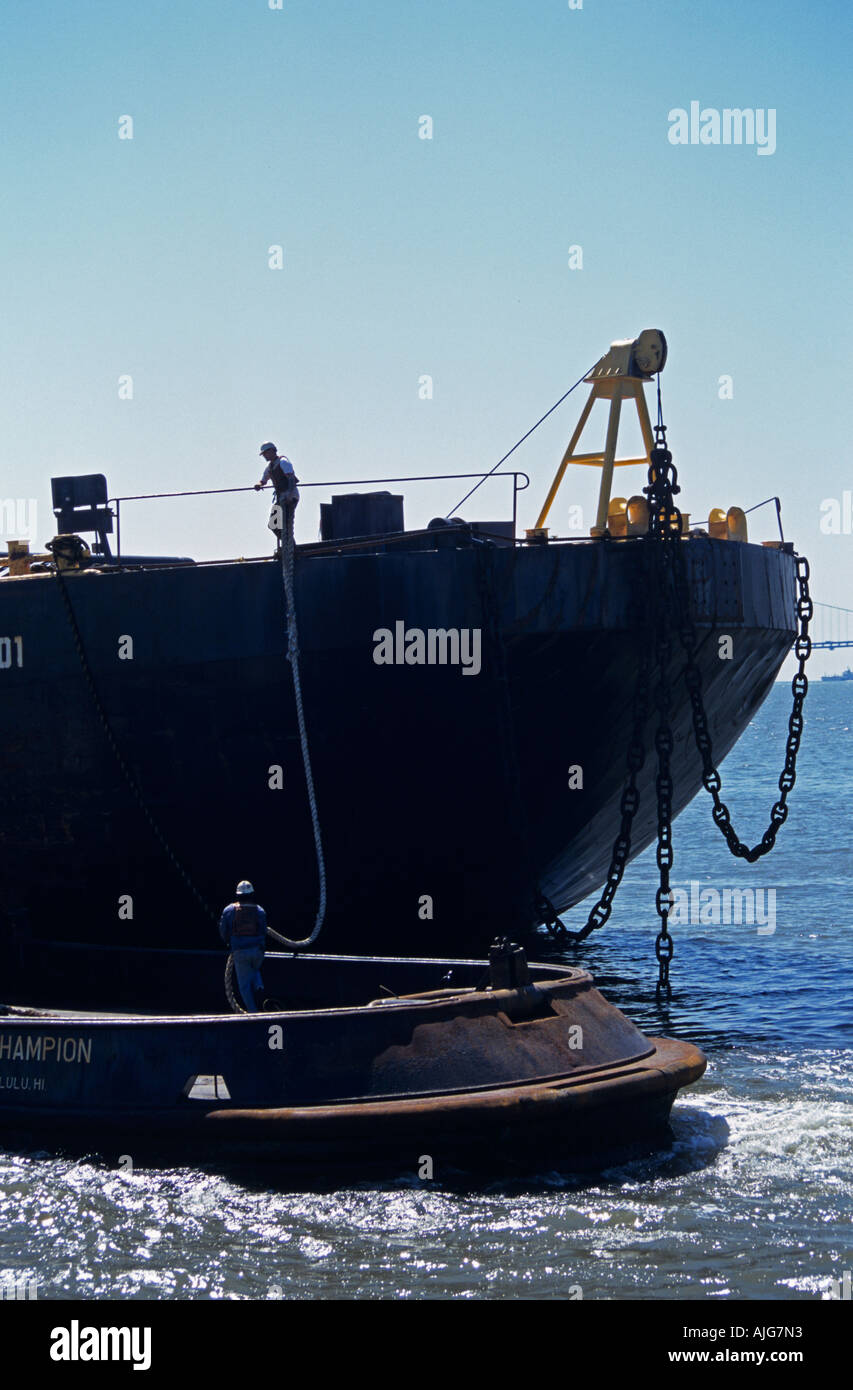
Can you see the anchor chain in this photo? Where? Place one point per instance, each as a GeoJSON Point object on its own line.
{"type": "Point", "coordinates": [665, 531]}
{"type": "Point", "coordinates": [665, 523]}
{"type": "Point", "coordinates": [711, 779]}
{"type": "Point", "coordinates": [668, 605]}
{"type": "Point", "coordinates": [628, 806]}
{"type": "Point", "coordinates": [123, 766]}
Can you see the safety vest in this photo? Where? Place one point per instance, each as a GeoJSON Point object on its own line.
{"type": "Point", "coordinates": [246, 920]}
{"type": "Point", "coordinates": [281, 481]}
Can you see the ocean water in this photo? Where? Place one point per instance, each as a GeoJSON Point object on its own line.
{"type": "Point", "coordinates": [752, 1199]}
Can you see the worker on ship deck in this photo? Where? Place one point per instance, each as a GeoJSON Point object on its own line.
{"type": "Point", "coordinates": [279, 472]}
{"type": "Point", "coordinates": [243, 928]}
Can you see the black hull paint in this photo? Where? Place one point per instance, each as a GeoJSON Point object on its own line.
{"type": "Point", "coordinates": [430, 783]}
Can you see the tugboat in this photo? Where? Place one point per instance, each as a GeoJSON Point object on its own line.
{"type": "Point", "coordinates": [469, 695]}
{"type": "Point", "coordinates": [372, 1063]}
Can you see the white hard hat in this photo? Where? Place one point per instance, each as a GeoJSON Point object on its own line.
{"type": "Point", "coordinates": [244, 888]}
{"type": "Point", "coordinates": [264, 448]}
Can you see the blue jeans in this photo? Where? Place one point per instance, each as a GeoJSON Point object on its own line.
{"type": "Point", "coordinates": [247, 966]}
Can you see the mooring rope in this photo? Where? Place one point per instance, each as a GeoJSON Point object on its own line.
{"type": "Point", "coordinates": [136, 791]}
{"type": "Point", "coordinates": [236, 1006]}
{"type": "Point", "coordinates": [287, 569]}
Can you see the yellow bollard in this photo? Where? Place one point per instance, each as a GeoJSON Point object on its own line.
{"type": "Point", "coordinates": [637, 516]}
{"type": "Point", "coordinates": [736, 524]}
{"type": "Point", "coordinates": [617, 517]}
{"type": "Point", "coordinates": [717, 524]}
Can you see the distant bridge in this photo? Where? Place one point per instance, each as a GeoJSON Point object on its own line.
{"type": "Point", "coordinates": [831, 627]}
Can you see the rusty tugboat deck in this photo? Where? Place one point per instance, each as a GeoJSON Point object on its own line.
{"type": "Point", "coordinates": [373, 1062]}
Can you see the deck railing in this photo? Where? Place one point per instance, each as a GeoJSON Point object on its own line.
{"type": "Point", "coordinates": [517, 487]}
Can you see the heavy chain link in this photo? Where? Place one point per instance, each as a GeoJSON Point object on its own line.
{"type": "Point", "coordinates": [711, 779]}
{"type": "Point", "coordinates": [664, 528]}
{"type": "Point", "coordinates": [665, 523]}
{"type": "Point", "coordinates": [668, 603]}
{"type": "Point", "coordinates": [665, 535]}
{"type": "Point", "coordinates": [628, 806]}
{"type": "Point", "coordinates": [121, 761]}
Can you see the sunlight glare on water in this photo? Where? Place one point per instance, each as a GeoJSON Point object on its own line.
{"type": "Point", "coordinates": [753, 1199]}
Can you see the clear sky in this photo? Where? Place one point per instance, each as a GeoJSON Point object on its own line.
{"type": "Point", "coordinates": [299, 127]}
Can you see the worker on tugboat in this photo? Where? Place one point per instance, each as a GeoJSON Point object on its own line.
{"type": "Point", "coordinates": [243, 928]}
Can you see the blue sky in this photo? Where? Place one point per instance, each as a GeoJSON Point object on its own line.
{"type": "Point", "coordinates": [403, 257]}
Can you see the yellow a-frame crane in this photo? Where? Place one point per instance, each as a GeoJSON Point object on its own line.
{"type": "Point", "coordinates": [620, 375]}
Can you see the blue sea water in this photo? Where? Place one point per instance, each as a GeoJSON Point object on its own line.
{"type": "Point", "coordinates": [753, 1198]}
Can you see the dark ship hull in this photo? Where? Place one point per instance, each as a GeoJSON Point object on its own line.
{"type": "Point", "coordinates": [444, 797]}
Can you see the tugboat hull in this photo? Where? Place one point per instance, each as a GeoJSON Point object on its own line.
{"type": "Point", "coordinates": [571, 1120]}
{"type": "Point", "coordinates": [459, 1072]}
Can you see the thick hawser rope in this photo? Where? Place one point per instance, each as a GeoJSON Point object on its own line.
{"type": "Point", "coordinates": [287, 569]}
